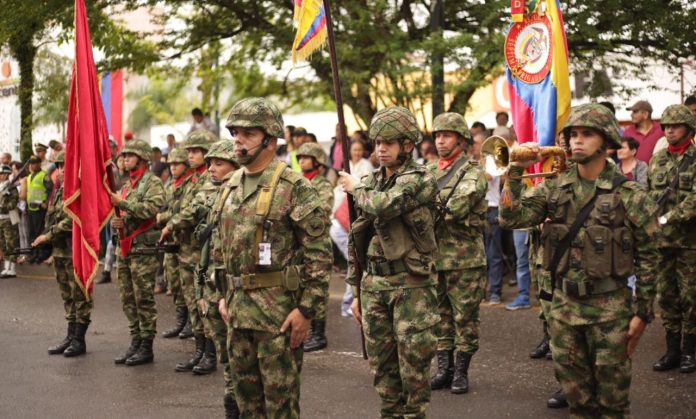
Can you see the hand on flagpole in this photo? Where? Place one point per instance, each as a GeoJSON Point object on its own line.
{"type": "Point", "coordinates": [117, 223]}
{"type": "Point", "coordinates": [347, 181]}
{"type": "Point", "coordinates": [115, 199]}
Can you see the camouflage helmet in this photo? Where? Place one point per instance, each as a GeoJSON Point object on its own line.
{"type": "Point", "coordinates": [200, 138]}
{"type": "Point", "coordinates": [224, 150]}
{"type": "Point", "coordinates": [60, 157]}
{"type": "Point", "coordinates": [138, 147]}
{"type": "Point", "coordinates": [178, 155]}
{"type": "Point", "coordinates": [257, 112]}
{"type": "Point", "coordinates": [452, 121]}
{"type": "Point", "coordinates": [678, 114]}
{"type": "Point", "coordinates": [313, 150]}
{"type": "Point", "coordinates": [599, 117]}
{"type": "Point", "coordinates": [395, 123]}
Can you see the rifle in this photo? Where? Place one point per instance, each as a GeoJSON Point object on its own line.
{"type": "Point", "coordinates": [13, 181]}
{"type": "Point", "coordinates": [41, 252]}
{"type": "Point", "coordinates": [156, 250]}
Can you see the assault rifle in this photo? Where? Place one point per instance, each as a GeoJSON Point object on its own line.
{"type": "Point", "coordinates": [156, 250]}
{"type": "Point", "coordinates": [38, 253]}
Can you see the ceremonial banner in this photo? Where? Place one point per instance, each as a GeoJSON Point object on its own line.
{"type": "Point", "coordinates": [87, 157]}
{"type": "Point", "coordinates": [310, 18]}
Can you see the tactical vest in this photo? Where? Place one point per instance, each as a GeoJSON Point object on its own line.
{"type": "Point", "coordinates": [603, 247]}
{"type": "Point", "coordinates": [662, 174]}
{"type": "Point", "coordinates": [36, 191]}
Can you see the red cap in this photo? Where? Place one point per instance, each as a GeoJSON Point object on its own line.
{"type": "Point", "coordinates": [128, 135]}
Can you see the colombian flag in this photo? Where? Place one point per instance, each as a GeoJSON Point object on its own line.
{"type": "Point", "coordinates": [539, 83]}
{"type": "Point", "coordinates": [311, 28]}
{"type": "Point", "coordinates": [112, 102]}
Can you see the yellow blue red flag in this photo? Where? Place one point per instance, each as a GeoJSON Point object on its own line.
{"type": "Point", "coordinates": [310, 18]}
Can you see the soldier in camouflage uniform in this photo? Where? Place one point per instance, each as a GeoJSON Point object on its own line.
{"type": "Point", "coordinates": [181, 175]}
{"type": "Point", "coordinates": [672, 185]}
{"type": "Point", "coordinates": [277, 252]}
{"type": "Point", "coordinates": [594, 322]}
{"type": "Point", "coordinates": [78, 306]}
{"type": "Point", "coordinates": [197, 143]}
{"type": "Point", "coordinates": [461, 259]}
{"type": "Point", "coordinates": [313, 162]}
{"type": "Point", "coordinates": [141, 196]}
{"type": "Point", "coordinates": [393, 239]}
{"type": "Point", "coordinates": [9, 232]}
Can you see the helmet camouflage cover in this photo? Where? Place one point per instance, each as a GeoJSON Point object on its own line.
{"type": "Point", "coordinates": [224, 150]}
{"type": "Point", "coordinates": [678, 114]}
{"type": "Point", "coordinates": [178, 155]}
{"type": "Point", "coordinates": [395, 123]}
{"type": "Point", "coordinates": [313, 150]}
{"type": "Point", "coordinates": [201, 138]}
{"type": "Point", "coordinates": [257, 112]}
{"type": "Point", "coordinates": [599, 117]}
{"type": "Point", "coordinates": [60, 157]}
{"type": "Point", "coordinates": [138, 147]}
{"type": "Point", "coordinates": [452, 121]}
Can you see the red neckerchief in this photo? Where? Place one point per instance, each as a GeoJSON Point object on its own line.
{"type": "Point", "coordinates": [679, 148]}
{"type": "Point", "coordinates": [310, 175]}
{"type": "Point", "coordinates": [199, 171]}
{"type": "Point", "coordinates": [134, 176]}
{"type": "Point", "coordinates": [182, 178]}
{"type": "Point", "coordinates": [127, 242]}
{"type": "Point", "coordinates": [445, 162]}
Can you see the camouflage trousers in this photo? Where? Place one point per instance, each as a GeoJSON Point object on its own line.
{"type": "Point", "coordinates": [266, 373]}
{"type": "Point", "coordinates": [9, 239]}
{"type": "Point", "coordinates": [188, 260]}
{"type": "Point", "coordinates": [593, 366]}
{"type": "Point", "coordinates": [78, 309]}
{"type": "Point", "coordinates": [676, 287]}
{"type": "Point", "coordinates": [136, 283]}
{"type": "Point", "coordinates": [459, 295]}
{"type": "Point", "coordinates": [400, 338]}
{"type": "Point", "coordinates": [216, 330]}
{"type": "Point", "coordinates": [171, 273]}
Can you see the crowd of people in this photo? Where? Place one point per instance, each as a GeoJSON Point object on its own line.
{"type": "Point", "coordinates": [245, 234]}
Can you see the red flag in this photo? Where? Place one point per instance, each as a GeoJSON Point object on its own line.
{"type": "Point", "coordinates": [87, 156]}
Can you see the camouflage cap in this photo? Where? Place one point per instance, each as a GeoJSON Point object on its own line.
{"type": "Point", "coordinates": [599, 117]}
{"type": "Point", "coordinates": [452, 121]}
{"type": "Point", "coordinates": [200, 138]}
{"type": "Point", "coordinates": [224, 150]}
{"type": "Point", "coordinates": [678, 114]}
{"type": "Point", "coordinates": [60, 157]}
{"type": "Point", "coordinates": [178, 155]}
{"type": "Point", "coordinates": [5, 169]}
{"type": "Point", "coordinates": [313, 150]}
{"type": "Point", "coordinates": [257, 112]}
{"type": "Point", "coordinates": [395, 123]}
{"type": "Point", "coordinates": [138, 147]}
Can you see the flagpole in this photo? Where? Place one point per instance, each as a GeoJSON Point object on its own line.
{"type": "Point", "coordinates": [341, 137]}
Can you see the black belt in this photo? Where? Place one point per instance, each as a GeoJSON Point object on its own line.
{"type": "Point", "coordinates": [387, 268]}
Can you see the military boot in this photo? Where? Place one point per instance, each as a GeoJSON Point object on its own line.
{"type": "Point", "coordinates": [197, 355]}
{"type": "Point", "coordinates": [61, 347]}
{"type": "Point", "coordinates": [144, 354]}
{"type": "Point", "coordinates": [445, 370]}
{"type": "Point", "coordinates": [105, 277]}
{"type": "Point", "coordinates": [557, 401]}
{"type": "Point", "coordinates": [671, 359]}
{"type": "Point", "coordinates": [132, 349]}
{"type": "Point", "coordinates": [688, 362]}
{"type": "Point", "coordinates": [317, 339]}
{"type": "Point", "coordinates": [181, 317]}
{"type": "Point", "coordinates": [543, 348]}
{"type": "Point", "coordinates": [231, 408]}
{"type": "Point", "coordinates": [77, 345]}
{"type": "Point", "coordinates": [186, 332]}
{"type": "Point", "coordinates": [460, 381]}
{"type": "Point", "coordinates": [208, 362]}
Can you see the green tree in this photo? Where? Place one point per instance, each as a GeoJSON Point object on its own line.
{"type": "Point", "coordinates": [52, 89]}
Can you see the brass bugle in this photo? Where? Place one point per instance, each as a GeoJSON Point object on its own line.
{"type": "Point", "coordinates": [497, 148]}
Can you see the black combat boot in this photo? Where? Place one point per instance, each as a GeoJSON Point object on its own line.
{"type": "Point", "coordinates": [181, 318]}
{"type": "Point", "coordinates": [77, 345]}
{"type": "Point", "coordinates": [197, 355]}
{"type": "Point", "coordinates": [105, 277]}
{"type": "Point", "coordinates": [445, 370]}
{"type": "Point", "coordinates": [460, 381]}
{"type": "Point", "coordinates": [557, 400]}
{"type": "Point", "coordinates": [671, 359]}
{"type": "Point", "coordinates": [186, 332]}
{"type": "Point", "coordinates": [144, 354]}
{"type": "Point", "coordinates": [688, 362]}
{"type": "Point", "coordinates": [317, 339]}
{"type": "Point", "coordinates": [132, 349]}
{"type": "Point", "coordinates": [231, 408]}
{"type": "Point", "coordinates": [543, 348]}
{"type": "Point", "coordinates": [61, 347]}
{"type": "Point", "coordinates": [208, 362]}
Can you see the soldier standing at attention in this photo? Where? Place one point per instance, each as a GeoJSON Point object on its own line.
{"type": "Point", "coordinates": [141, 196]}
{"type": "Point", "coordinates": [672, 185]}
{"type": "Point", "coordinates": [598, 231]}
{"type": "Point", "coordinates": [9, 229]}
{"type": "Point", "coordinates": [461, 257]}
{"type": "Point", "coordinates": [270, 218]}
{"type": "Point", "coordinates": [393, 239]}
{"type": "Point", "coordinates": [312, 160]}
{"type": "Point", "coordinates": [78, 307]}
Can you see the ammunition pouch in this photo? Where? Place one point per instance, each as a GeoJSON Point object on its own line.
{"type": "Point", "coordinates": [586, 289]}
{"type": "Point", "coordinates": [361, 232]}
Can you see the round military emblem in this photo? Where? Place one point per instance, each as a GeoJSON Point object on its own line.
{"type": "Point", "coordinates": [528, 48]}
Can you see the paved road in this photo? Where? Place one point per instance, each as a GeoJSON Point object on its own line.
{"type": "Point", "coordinates": [336, 383]}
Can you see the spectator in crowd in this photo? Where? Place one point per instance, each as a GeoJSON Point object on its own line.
{"type": "Point", "coordinates": [56, 147]}
{"type": "Point", "coordinates": [630, 166]}
{"type": "Point", "coordinates": [283, 149]}
{"type": "Point", "coordinates": [20, 172]}
{"type": "Point", "coordinates": [41, 151]}
{"type": "Point", "coordinates": [6, 158]}
{"type": "Point", "coordinates": [478, 128]}
{"type": "Point", "coordinates": [171, 145]}
{"type": "Point", "coordinates": [39, 188]}
{"type": "Point", "coordinates": [690, 103]}
{"type": "Point", "coordinates": [200, 121]}
{"type": "Point", "coordinates": [427, 151]}
{"type": "Point", "coordinates": [646, 131]}
{"type": "Point", "coordinates": [312, 138]}
{"type": "Point", "coordinates": [299, 137]}
{"type": "Point", "coordinates": [502, 119]}
{"type": "Point", "coordinates": [158, 167]}
{"type": "Point", "coordinates": [506, 134]}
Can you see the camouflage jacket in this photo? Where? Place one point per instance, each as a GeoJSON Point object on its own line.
{"type": "Point", "coordinates": [298, 226]}
{"type": "Point", "coordinates": [140, 205]}
{"type": "Point", "coordinates": [630, 203]}
{"type": "Point", "coordinates": [460, 233]}
{"type": "Point", "coordinates": [325, 191]}
{"type": "Point", "coordinates": [680, 207]}
{"type": "Point", "coordinates": [9, 198]}
{"type": "Point", "coordinates": [184, 222]}
{"type": "Point", "coordinates": [58, 227]}
{"type": "Point", "coordinates": [174, 193]}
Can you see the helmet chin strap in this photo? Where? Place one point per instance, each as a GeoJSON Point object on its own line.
{"type": "Point", "coordinates": [259, 148]}
{"type": "Point", "coordinates": [586, 159]}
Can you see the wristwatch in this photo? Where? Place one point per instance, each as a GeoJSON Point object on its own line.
{"type": "Point", "coordinates": [662, 220]}
{"type": "Point", "coordinates": [307, 312]}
